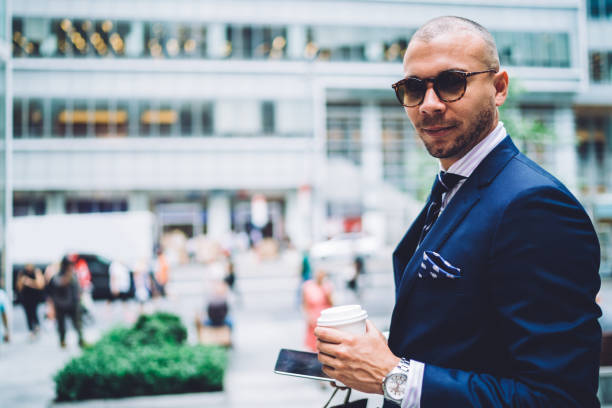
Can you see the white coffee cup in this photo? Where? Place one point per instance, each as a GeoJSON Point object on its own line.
{"type": "Point", "coordinates": [349, 318]}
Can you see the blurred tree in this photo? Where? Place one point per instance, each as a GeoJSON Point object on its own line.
{"type": "Point", "coordinates": [523, 130]}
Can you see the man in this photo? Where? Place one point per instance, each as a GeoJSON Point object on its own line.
{"type": "Point", "coordinates": [65, 292]}
{"type": "Point", "coordinates": [496, 278]}
{"type": "Point", "coordinates": [30, 285]}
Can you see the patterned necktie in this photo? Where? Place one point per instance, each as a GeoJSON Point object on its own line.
{"type": "Point", "coordinates": [444, 183]}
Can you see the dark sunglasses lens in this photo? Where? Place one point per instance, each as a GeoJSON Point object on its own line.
{"type": "Point", "coordinates": [450, 85]}
{"type": "Point", "coordinates": [410, 92]}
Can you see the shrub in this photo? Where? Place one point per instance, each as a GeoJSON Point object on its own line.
{"type": "Point", "coordinates": [147, 359]}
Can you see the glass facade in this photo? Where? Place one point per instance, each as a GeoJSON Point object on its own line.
{"type": "Point", "coordinates": [89, 118]}
{"type": "Point", "coordinates": [601, 9]}
{"type": "Point", "coordinates": [406, 164]}
{"type": "Point", "coordinates": [601, 66]}
{"type": "Point", "coordinates": [76, 38]}
{"type": "Point", "coordinates": [594, 151]}
{"type": "Point", "coordinates": [344, 132]}
{"type": "Point", "coordinates": [532, 49]}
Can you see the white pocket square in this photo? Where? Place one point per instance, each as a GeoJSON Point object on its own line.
{"type": "Point", "coordinates": [434, 266]}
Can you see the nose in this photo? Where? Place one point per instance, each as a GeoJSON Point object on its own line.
{"type": "Point", "coordinates": [431, 103]}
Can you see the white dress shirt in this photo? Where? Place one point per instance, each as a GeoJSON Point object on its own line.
{"type": "Point", "coordinates": [465, 166]}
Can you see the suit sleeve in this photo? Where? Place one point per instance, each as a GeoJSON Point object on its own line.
{"type": "Point", "coordinates": [542, 278]}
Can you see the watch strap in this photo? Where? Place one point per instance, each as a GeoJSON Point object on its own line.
{"type": "Point", "coordinates": [404, 365]}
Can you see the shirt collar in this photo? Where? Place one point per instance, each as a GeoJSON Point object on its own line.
{"type": "Point", "coordinates": [468, 163]}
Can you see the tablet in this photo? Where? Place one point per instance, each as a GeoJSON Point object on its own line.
{"type": "Point", "coordinates": [300, 364]}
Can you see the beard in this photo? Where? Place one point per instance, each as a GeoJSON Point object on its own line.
{"type": "Point", "coordinates": [464, 142]}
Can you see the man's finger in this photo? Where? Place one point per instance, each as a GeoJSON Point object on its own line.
{"type": "Point", "coordinates": [327, 348]}
{"type": "Point", "coordinates": [326, 360]}
{"type": "Point", "coordinates": [370, 326]}
{"type": "Point", "coordinates": [341, 387]}
{"type": "Point", "coordinates": [329, 335]}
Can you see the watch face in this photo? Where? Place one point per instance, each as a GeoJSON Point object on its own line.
{"type": "Point", "coordinates": [396, 385]}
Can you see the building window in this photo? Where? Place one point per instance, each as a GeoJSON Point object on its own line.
{"type": "Point", "coordinates": [267, 117]}
{"type": "Point", "coordinates": [29, 206]}
{"type": "Point", "coordinates": [207, 119]}
{"type": "Point", "coordinates": [158, 119]}
{"type": "Point", "coordinates": [344, 132]}
{"type": "Point", "coordinates": [60, 118]}
{"type": "Point", "coordinates": [599, 8]}
{"type": "Point", "coordinates": [174, 40]}
{"type": "Point", "coordinates": [406, 164]}
{"type": "Point", "coordinates": [397, 140]}
{"type": "Point", "coordinates": [186, 120]}
{"type": "Point", "coordinates": [601, 66]}
{"type": "Point", "coordinates": [537, 139]}
{"type": "Point", "coordinates": [79, 118]}
{"type": "Point", "coordinates": [533, 49]}
{"type": "Point", "coordinates": [593, 134]}
{"type": "Point", "coordinates": [84, 205]}
{"type": "Point", "coordinates": [18, 122]}
{"type": "Point", "coordinates": [332, 43]}
{"type": "Point", "coordinates": [90, 38]}
{"type": "Point", "coordinates": [36, 37]}
{"type": "Point", "coordinates": [256, 42]}
{"type": "Point", "coordinates": [111, 118]}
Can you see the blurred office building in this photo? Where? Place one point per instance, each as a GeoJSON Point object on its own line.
{"type": "Point", "coordinates": [205, 111]}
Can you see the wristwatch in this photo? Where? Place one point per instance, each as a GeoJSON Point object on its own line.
{"type": "Point", "coordinates": [394, 383]}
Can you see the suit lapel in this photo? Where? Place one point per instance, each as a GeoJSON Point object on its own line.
{"type": "Point", "coordinates": [468, 195]}
{"type": "Point", "coordinates": [405, 249]}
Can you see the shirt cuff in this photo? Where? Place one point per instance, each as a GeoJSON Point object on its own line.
{"type": "Point", "coordinates": [414, 384]}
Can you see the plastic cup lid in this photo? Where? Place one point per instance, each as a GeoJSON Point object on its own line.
{"type": "Point", "coordinates": [338, 315]}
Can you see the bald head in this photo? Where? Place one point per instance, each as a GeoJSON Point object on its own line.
{"type": "Point", "coordinates": [446, 25]}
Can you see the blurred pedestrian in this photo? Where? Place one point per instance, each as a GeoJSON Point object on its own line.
{"type": "Point", "coordinates": [217, 308]}
{"type": "Point", "coordinates": [306, 269]}
{"type": "Point", "coordinates": [215, 325]}
{"type": "Point", "coordinates": [65, 292]}
{"type": "Point", "coordinates": [358, 270]}
{"type": "Point", "coordinates": [316, 295]}
{"type": "Point", "coordinates": [119, 280]}
{"type": "Point", "coordinates": [84, 277]}
{"type": "Point", "coordinates": [230, 276]}
{"type": "Point", "coordinates": [305, 274]}
{"type": "Point", "coordinates": [30, 285]}
{"type": "Point", "coordinates": [50, 271]}
{"type": "Point", "coordinates": [161, 272]}
{"type": "Point", "coordinates": [142, 284]}
{"type": "Point", "coordinates": [6, 336]}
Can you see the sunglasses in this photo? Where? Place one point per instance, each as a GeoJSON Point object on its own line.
{"type": "Point", "coordinates": [448, 85]}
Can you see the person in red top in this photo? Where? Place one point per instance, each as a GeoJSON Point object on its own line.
{"type": "Point", "coordinates": [83, 274]}
{"type": "Point", "coordinates": [316, 296]}
{"type": "Point", "coordinates": [162, 271]}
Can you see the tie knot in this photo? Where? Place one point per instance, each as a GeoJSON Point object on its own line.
{"type": "Point", "coordinates": [443, 184]}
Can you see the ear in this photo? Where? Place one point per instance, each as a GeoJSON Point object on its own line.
{"type": "Point", "coordinates": [500, 81]}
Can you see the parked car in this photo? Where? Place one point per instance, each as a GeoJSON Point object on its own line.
{"type": "Point", "coordinates": [346, 246]}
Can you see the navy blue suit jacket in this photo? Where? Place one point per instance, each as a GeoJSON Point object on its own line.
{"type": "Point", "coordinates": [519, 328]}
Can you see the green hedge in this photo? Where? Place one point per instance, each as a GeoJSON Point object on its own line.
{"type": "Point", "coordinates": [148, 359]}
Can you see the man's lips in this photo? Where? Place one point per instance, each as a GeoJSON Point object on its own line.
{"type": "Point", "coordinates": [437, 130]}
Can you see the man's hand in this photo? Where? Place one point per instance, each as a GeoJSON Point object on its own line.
{"type": "Point", "coordinates": [360, 362]}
